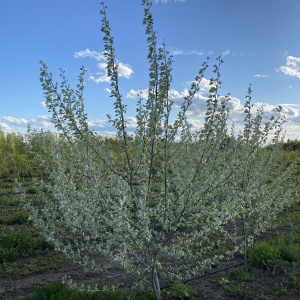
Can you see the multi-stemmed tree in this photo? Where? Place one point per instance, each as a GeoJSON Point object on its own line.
{"type": "Point", "coordinates": [158, 203]}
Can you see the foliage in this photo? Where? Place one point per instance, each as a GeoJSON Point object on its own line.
{"type": "Point", "coordinates": [288, 246]}
{"type": "Point", "coordinates": [179, 291]}
{"type": "Point", "coordinates": [150, 202]}
{"type": "Point", "coordinates": [13, 156]}
{"type": "Point", "coordinates": [291, 145]}
{"type": "Point", "coordinates": [39, 147]}
{"type": "Point", "coordinates": [264, 256]}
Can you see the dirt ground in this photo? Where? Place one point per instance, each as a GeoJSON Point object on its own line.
{"type": "Point", "coordinates": [206, 288]}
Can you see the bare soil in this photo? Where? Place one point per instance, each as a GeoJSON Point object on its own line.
{"type": "Point", "coordinates": [261, 287]}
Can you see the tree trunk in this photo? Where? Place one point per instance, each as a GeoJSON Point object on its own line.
{"type": "Point", "coordinates": [245, 244]}
{"type": "Point", "coordinates": [156, 285]}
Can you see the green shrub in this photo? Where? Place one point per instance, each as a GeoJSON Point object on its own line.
{"type": "Point", "coordinates": [264, 256]}
{"type": "Point", "coordinates": [179, 291]}
{"type": "Point", "coordinates": [289, 246]}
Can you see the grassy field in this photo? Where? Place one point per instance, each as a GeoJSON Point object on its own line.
{"type": "Point", "coordinates": [28, 262]}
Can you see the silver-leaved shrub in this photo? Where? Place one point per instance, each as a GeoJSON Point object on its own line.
{"type": "Point", "coordinates": [165, 202]}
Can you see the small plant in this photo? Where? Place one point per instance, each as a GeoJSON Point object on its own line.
{"type": "Point", "coordinates": [8, 254]}
{"type": "Point", "coordinates": [179, 291]}
{"type": "Point", "coordinates": [224, 280]}
{"type": "Point", "coordinates": [289, 246]}
{"type": "Point", "coordinates": [239, 290]}
{"type": "Point", "coordinates": [279, 290]}
{"type": "Point", "coordinates": [240, 275]}
{"type": "Point", "coordinates": [264, 256]}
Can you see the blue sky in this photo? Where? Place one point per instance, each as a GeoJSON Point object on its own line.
{"type": "Point", "coordinates": [259, 41]}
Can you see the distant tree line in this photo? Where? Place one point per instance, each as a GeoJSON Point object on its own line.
{"type": "Point", "coordinates": [291, 145]}
{"type": "Point", "coordinates": [16, 151]}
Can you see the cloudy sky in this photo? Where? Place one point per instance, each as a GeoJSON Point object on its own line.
{"type": "Point", "coordinates": [258, 40]}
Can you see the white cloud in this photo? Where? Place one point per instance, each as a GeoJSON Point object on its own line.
{"type": "Point", "coordinates": [261, 75]}
{"type": "Point", "coordinates": [131, 122]}
{"type": "Point", "coordinates": [103, 75]}
{"type": "Point", "coordinates": [4, 127]}
{"type": "Point", "coordinates": [180, 51]}
{"type": "Point", "coordinates": [105, 126]}
{"type": "Point", "coordinates": [135, 94]}
{"type": "Point", "coordinates": [292, 66]}
{"type": "Point", "coordinates": [234, 104]}
{"type": "Point", "coordinates": [15, 121]}
{"type": "Point", "coordinates": [177, 51]}
{"type": "Point", "coordinates": [205, 85]}
{"type": "Point", "coordinates": [196, 113]}
{"type": "Point", "coordinates": [99, 124]}
{"type": "Point", "coordinates": [19, 124]}
{"type": "Point", "coordinates": [124, 70]}
{"type": "Point", "coordinates": [132, 94]}
{"type": "Point", "coordinates": [42, 121]}
{"type": "Point", "coordinates": [197, 109]}
{"type": "Point", "coordinates": [91, 54]}
{"type": "Point", "coordinates": [226, 52]}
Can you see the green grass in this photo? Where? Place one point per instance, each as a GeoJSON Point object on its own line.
{"type": "Point", "coordinates": [9, 200]}
{"type": "Point", "coordinates": [59, 291]}
{"type": "Point", "coordinates": [288, 246]}
{"type": "Point", "coordinates": [239, 275]}
{"type": "Point", "coordinates": [240, 290]}
{"type": "Point", "coordinates": [19, 241]}
{"type": "Point", "coordinates": [289, 219]}
{"type": "Point", "coordinates": [23, 244]}
{"type": "Point", "coordinates": [18, 269]}
{"type": "Point", "coordinates": [18, 217]}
